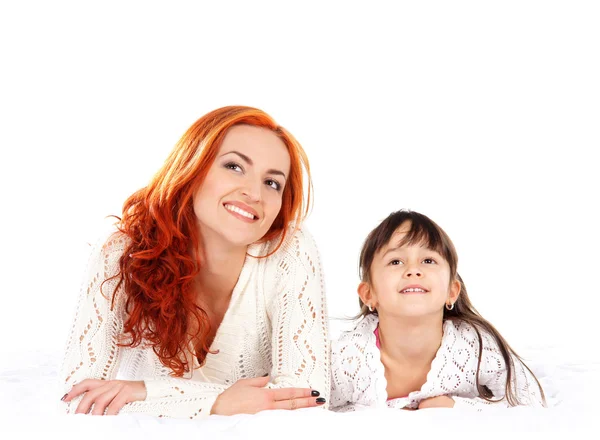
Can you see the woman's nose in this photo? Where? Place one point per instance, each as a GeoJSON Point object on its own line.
{"type": "Point", "coordinates": [252, 190]}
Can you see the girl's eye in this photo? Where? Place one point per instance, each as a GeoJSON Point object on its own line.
{"type": "Point", "coordinates": [273, 184]}
{"type": "Point", "coordinates": [233, 166]}
{"type": "Point", "coordinates": [429, 261]}
{"type": "Point", "coordinates": [395, 262]}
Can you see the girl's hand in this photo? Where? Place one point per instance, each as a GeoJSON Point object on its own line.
{"type": "Point", "coordinates": [248, 396]}
{"type": "Point", "coordinates": [437, 402]}
{"type": "Point", "coordinates": [105, 395]}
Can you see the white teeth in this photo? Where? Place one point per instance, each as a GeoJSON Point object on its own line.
{"type": "Point", "coordinates": [413, 289]}
{"type": "Point", "coordinates": [239, 211]}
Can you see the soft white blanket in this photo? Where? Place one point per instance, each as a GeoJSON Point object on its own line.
{"type": "Point", "coordinates": [29, 402]}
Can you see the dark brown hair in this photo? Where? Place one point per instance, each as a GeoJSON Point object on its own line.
{"type": "Point", "coordinates": [426, 232]}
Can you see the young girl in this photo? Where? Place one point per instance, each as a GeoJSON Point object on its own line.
{"type": "Point", "coordinates": [208, 297]}
{"type": "Point", "coordinates": [421, 344]}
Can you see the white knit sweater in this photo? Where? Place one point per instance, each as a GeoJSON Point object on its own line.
{"type": "Point", "coordinates": [358, 375]}
{"type": "Point", "coordinates": [276, 323]}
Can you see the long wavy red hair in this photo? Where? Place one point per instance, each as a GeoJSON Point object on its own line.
{"type": "Point", "coordinates": [157, 267]}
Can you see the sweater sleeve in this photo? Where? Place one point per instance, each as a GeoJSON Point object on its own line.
{"type": "Point", "coordinates": [92, 350]}
{"type": "Point", "coordinates": [493, 375]}
{"type": "Point", "coordinates": [341, 385]}
{"type": "Point", "coordinates": [298, 312]}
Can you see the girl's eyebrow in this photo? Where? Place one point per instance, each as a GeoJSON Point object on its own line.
{"type": "Point", "coordinates": [250, 162]}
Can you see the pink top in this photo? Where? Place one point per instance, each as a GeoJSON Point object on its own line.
{"type": "Point", "coordinates": [376, 333]}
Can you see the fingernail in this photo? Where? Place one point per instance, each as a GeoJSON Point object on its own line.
{"type": "Point", "coordinates": [315, 393]}
{"type": "Point", "coordinates": [63, 397]}
{"type": "Point", "coordinates": [320, 400]}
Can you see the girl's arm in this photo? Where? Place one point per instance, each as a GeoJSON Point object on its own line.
{"type": "Point", "coordinates": [341, 387]}
{"type": "Point", "coordinates": [526, 390]}
{"type": "Point", "coordinates": [92, 351]}
{"type": "Point", "coordinates": [298, 312]}
{"type": "Point", "coordinates": [493, 375]}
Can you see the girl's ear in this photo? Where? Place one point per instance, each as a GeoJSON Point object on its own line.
{"type": "Point", "coordinates": [364, 291]}
{"type": "Point", "coordinates": [454, 291]}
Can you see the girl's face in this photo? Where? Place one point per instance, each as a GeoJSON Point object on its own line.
{"type": "Point", "coordinates": [408, 281]}
{"type": "Point", "coordinates": [241, 195]}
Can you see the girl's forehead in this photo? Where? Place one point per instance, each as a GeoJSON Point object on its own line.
{"type": "Point", "coordinates": [401, 231]}
{"type": "Point", "coordinates": [404, 237]}
{"type": "Point", "coordinates": [398, 243]}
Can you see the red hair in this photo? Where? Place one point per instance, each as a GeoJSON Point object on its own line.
{"type": "Point", "coordinates": [157, 267]}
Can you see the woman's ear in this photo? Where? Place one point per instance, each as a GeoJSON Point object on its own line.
{"type": "Point", "coordinates": [454, 291]}
{"type": "Point", "coordinates": [365, 293]}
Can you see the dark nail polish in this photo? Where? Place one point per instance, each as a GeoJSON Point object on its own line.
{"type": "Point", "coordinates": [63, 397]}
{"type": "Point", "coordinates": [320, 400]}
{"type": "Point", "coordinates": [315, 393]}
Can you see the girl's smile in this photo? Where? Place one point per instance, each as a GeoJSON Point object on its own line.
{"type": "Point", "coordinates": [414, 289]}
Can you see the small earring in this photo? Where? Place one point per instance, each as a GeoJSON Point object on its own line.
{"type": "Point", "coordinates": [370, 308]}
{"type": "Point", "coordinates": [449, 307]}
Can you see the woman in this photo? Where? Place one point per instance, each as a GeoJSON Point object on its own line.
{"type": "Point", "coordinates": [208, 298]}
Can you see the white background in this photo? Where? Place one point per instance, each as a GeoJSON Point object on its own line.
{"type": "Point", "coordinates": [482, 115]}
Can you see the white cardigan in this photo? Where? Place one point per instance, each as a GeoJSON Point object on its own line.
{"type": "Point", "coordinates": [358, 375]}
{"type": "Point", "coordinates": [276, 323]}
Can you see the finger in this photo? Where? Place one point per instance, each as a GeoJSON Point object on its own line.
{"type": "Point", "coordinates": [116, 405]}
{"type": "Point", "coordinates": [256, 381]}
{"type": "Point", "coordinates": [82, 387]}
{"type": "Point", "coordinates": [89, 398]}
{"type": "Point", "coordinates": [304, 402]}
{"type": "Point", "coordinates": [104, 399]}
{"type": "Point", "coordinates": [291, 393]}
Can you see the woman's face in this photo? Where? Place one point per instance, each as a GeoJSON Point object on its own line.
{"type": "Point", "coordinates": [241, 195]}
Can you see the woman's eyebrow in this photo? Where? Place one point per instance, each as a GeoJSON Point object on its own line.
{"type": "Point", "coordinates": [250, 162]}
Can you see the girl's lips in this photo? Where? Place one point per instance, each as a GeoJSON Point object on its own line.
{"type": "Point", "coordinates": [414, 289]}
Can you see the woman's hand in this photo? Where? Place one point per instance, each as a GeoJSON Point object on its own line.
{"type": "Point", "coordinates": [248, 396]}
{"type": "Point", "coordinates": [437, 402]}
{"type": "Point", "coordinates": [108, 396]}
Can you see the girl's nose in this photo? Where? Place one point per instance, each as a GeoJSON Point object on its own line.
{"type": "Point", "coordinates": [413, 272]}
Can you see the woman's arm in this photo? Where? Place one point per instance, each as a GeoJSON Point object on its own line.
{"type": "Point", "coordinates": [92, 351]}
{"type": "Point", "coordinates": [298, 311]}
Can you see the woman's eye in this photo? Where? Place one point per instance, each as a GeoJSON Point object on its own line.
{"type": "Point", "coordinates": [429, 261]}
{"type": "Point", "coordinates": [233, 166]}
{"type": "Point", "coordinates": [273, 184]}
